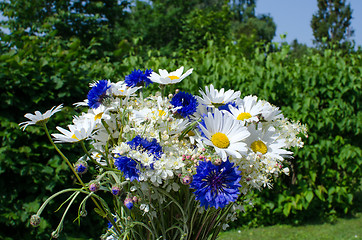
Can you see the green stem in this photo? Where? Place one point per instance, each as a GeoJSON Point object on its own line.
{"type": "Point", "coordinates": [79, 179]}
{"type": "Point", "coordinates": [92, 159]}
{"type": "Point", "coordinates": [63, 156]}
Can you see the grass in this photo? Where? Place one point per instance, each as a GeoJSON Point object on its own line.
{"type": "Point", "coordinates": [343, 229]}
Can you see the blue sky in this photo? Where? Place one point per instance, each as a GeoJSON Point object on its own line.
{"type": "Point", "coordinates": [293, 17]}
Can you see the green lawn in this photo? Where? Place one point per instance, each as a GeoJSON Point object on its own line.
{"type": "Point", "coordinates": [343, 229]}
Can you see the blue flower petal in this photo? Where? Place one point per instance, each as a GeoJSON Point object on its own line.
{"type": "Point", "coordinates": [216, 186]}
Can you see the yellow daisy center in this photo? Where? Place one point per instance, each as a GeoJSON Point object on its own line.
{"type": "Point", "coordinates": [75, 137]}
{"type": "Point", "coordinates": [220, 140]}
{"type": "Point", "coordinates": [217, 105]}
{"type": "Point", "coordinates": [98, 116]}
{"type": "Point", "coordinates": [259, 146]}
{"type": "Point", "coordinates": [161, 113]}
{"type": "Point", "coordinates": [173, 77]}
{"type": "Point", "coordinates": [243, 116]}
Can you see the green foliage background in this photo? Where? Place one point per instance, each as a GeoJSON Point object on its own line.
{"type": "Point", "coordinates": [320, 88]}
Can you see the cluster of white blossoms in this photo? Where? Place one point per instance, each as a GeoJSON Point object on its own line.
{"type": "Point", "coordinates": [165, 141]}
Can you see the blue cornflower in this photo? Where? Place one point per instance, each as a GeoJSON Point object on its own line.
{"type": "Point", "coordinates": [138, 78]}
{"type": "Point", "coordinates": [216, 186]}
{"type": "Point", "coordinates": [227, 106]}
{"type": "Point", "coordinates": [128, 166]}
{"type": "Point", "coordinates": [98, 93]}
{"type": "Point", "coordinates": [186, 101]}
{"type": "Point", "coordinates": [142, 144]}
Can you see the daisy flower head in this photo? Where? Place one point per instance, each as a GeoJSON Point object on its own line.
{"type": "Point", "coordinates": [266, 143]}
{"type": "Point", "coordinates": [185, 103]}
{"type": "Point", "coordinates": [215, 98]}
{"type": "Point", "coordinates": [270, 112]}
{"type": "Point", "coordinates": [169, 78]}
{"type": "Point", "coordinates": [216, 185]}
{"type": "Point", "coordinates": [77, 132]}
{"type": "Point", "coordinates": [98, 93]}
{"type": "Point", "coordinates": [225, 134]}
{"type": "Point", "coordinates": [99, 113]}
{"type": "Point", "coordinates": [121, 89]}
{"type": "Point", "coordinates": [138, 78]}
{"type": "Point", "coordinates": [39, 118]}
{"type": "Point", "coordinates": [248, 110]}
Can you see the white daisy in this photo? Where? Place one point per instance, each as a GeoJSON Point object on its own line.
{"type": "Point", "coordinates": [78, 132]}
{"type": "Point", "coordinates": [225, 134]}
{"type": "Point", "coordinates": [99, 113]}
{"type": "Point", "coordinates": [215, 98]}
{"type": "Point", "coordinates": [270, 112]}
{"type": "Point", "coordinates": [39, 118]}
{"type": "Point", "coordinates": [247, 111]}
{"type": "Point", "coordinates": [120, 89]}
{"type": "Point", "coordinates": [266, 142]}
{"type": "Point", "coordinates": [169, 78]}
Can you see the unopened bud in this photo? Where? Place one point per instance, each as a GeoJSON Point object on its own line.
{"type": "Point", "coordinates": [186, 179]}
{"type": "Point", "coordinates": [116, 190]}
{"type": "Point", "coordinates": [218, 161]}
{"type": "Point", "coordinates": [94, 187]}
{"type": "Point", "coordinates": [128, 202]}
{"type": "Point", "coordinates": [81, 167]}
{"type": "Point", "coordinates": [35, 220]}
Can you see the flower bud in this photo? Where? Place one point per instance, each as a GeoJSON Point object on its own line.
{"type": "Point", "coordinates": [116, 191]}
{"type": "Point", "coordinates": [128, 202]}
{"type": "Point", "coordinates": [81, 167]}
{"type": "Point", "coordinates": [35, 220]}
{"type": "Point", "coordinates": [186, 179]}
{"type": "Point", "coordinates": [135, 199]}
{"type": "Point", "coordinates": [94, 186]}
{"type": "Point", "coordinates": [55, 234]}
{"type": "Point", "coordinates": [218, 161]}
{"type": "Point", "coordinates": [83, 213]}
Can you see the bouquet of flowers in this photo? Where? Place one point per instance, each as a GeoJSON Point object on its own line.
{"type": "Point", "coordinates": [177, 166]}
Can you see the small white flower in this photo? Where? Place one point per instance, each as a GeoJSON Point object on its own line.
{"type": "Point", "coordinates": [169, 78]}
{"type": "Point", "coordinates": [145, 207]}
{"type": "Point", "coordinates": [38, 118]}
{"type": "Point", "coordinates": [286, 171]}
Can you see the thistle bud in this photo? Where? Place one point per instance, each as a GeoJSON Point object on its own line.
{"type": "Point", "coordinates": [35, 220]}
